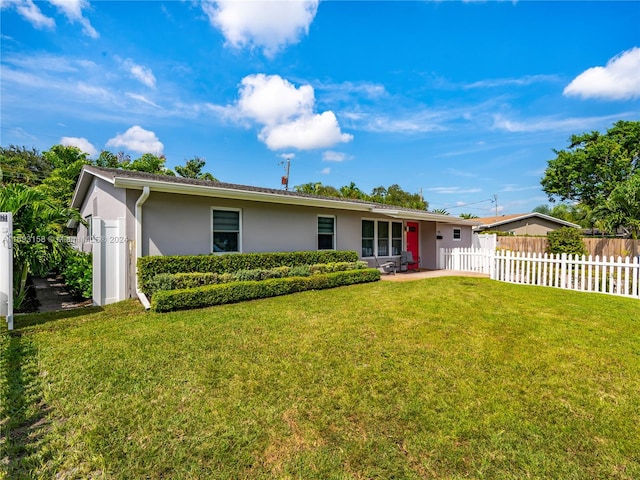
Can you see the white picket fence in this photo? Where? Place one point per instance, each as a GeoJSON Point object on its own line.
{"type": "Point", "coordinates": [613, 276]}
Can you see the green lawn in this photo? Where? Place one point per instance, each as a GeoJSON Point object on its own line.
{"type": "Point", "coordinates": [439, 378]}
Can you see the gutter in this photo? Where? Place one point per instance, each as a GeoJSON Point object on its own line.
{"type": "Point", "coordinates": [143, 198]}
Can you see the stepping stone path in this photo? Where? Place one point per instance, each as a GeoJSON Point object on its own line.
{"type": "Point", "coordinates": [53, 295]}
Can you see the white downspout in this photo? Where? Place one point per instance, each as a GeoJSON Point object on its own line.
{"type": "Point", "coordinates": [143, 198]}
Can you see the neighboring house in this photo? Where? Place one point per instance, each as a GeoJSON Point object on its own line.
{"type": "Point", "coordinates": [522, 224]}
{"type": "Point", "coordinates": [133, 214]}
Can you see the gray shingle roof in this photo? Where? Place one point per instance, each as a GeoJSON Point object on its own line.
{"type": "Point", "coordinates": [113, 175]}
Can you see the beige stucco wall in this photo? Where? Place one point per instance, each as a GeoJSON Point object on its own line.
{"type": "Point", "coordinates": [181, 225]}
{"type": "Point", "coordinates": [103, 201]}
{"type": "Point", "coordinates": [175, 224]}
{"type": "Point", "coordinates": [428, 245]}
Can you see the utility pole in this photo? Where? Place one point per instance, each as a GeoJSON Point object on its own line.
{"type": "Point", "coordinates": [285, 178]}
{"type": "Point", "coordinates": [495, 200]}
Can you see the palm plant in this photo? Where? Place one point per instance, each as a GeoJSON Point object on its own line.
{"type": "Point", "coordinates": [38, 223]}
{"type": "Point", "coordinates": [441, 211]}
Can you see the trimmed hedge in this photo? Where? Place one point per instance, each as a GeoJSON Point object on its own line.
{"type": "Point", "coordinates": [149, 267]}
{"type": "Point", "coordinates": [180, 281]}
{"type": "Point", "coordinates": [209, 295]}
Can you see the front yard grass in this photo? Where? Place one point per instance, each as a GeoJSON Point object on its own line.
{"type": "Point", "coordinates": [439, 378]}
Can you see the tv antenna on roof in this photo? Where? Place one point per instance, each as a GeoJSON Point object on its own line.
{"type": "Point", "coordinates": [287, 159]}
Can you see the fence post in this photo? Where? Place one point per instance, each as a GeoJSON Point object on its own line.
{"type": "Point", "coordinates": [6, 261]}
{"type": "Point", "coordinates": [563, 270]}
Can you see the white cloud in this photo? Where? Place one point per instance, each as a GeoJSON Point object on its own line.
{"type": "Point", "coordinates": [142, 98]}
{"type": "Point", "coordinates": [553, 124]}
{"type": "Point", "coordinates": [517, 188]}
{"type": "Point", "coordinates": [141, 73]}
{"type": "Point", "coordinates": [460, 173]}
{"type": "Point", "coordinates": [453, 190]}
{"type": "Point", "coordinates": [72, 9]}
{"type": "Point", "coordinates": [325, 171]}
{"type": "Point", "coordinates": [285, 113]}
{"type": "Point", "coordinates": [331, 156]}
{"type": "Point", "coordinates": [269, 25]}
{"type": "Point", "coordinates": [82, 143]}
{"type": "Point", "coordinates": [139, 140]}
{"type": "Point", "coordinates": [511, 82]}
{"type": "Point", "coordinates": [30, 12]}
{"type": "Point", "coordinates": [419, 122]}
{"type": "Point", "coordinates": [305, 133]}
{"type": "Point", "coordinates": [272, 100]}
{"type": "Point", "coordinates": [345, 91]}
{"type": "Point", "coordinates": [618, 80]}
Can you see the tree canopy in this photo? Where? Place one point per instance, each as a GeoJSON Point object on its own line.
{"type": "Point", "coordinates": [393, 195]}
{"type": "Point", "coordinates": [566, 211]}
{"type": "Point", "coordinates": [21, 165]}
{"type": "Point", "coordinates": [193, 169]}
{"type": "Point", "coordinates": [599, 172]}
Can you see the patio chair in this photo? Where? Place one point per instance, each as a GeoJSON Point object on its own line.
{"type": "Point", "coordinates": [386, 267]}
{"type": "Point", "coordinates": [407, 262]}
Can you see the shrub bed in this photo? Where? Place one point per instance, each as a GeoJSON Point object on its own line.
{"type": "Point", "coordinates": [77, 271]}
{"type": "Point", "coordinates": [149, 267]}
{"type": "Point", "coordinates": [209, 295]}
{"type": "Point", "coordinates": [179, 281]}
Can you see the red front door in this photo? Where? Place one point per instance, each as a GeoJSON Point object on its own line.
{"type": "Point", "coordinates": [413, 239]}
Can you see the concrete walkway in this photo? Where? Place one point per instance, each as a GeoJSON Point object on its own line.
{"type": "Point", "coordinates": [53, 296]}
{"type": "Point", "coordinates": [419, 275]}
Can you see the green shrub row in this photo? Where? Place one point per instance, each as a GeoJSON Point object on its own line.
{"type": "Point", "coordinates": [566, 240]}
{"type": "Point", "coordinates": [209, 295]}
{"type": "Point", "coordinates": [149, 267]}
{"type": "Point", "coordinates": [179, 281]}
{"type": "Point", "coordinates": [77, 271]}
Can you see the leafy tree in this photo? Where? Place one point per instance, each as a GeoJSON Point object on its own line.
{"type": "Point", "coordinates": [151, 164]}
{"type": "Point", "coordinates": [193, 169]}
{"type": "Point", "coordinates": [20, 165]}
{"type": "Point", "coordinates": [594, 165]}
{"type": "Point", "coordinates": [395, 195]}
{"type": "Point", "coordinates": [566, 240]}
{"type": "Point", "coordinates": [351, 191]}
{"type": "Point", "coordinates": [38, 222]}
{"type": "Point", "coordinates": [108, 159]}
{"type": "Point", "coordinates": [567, 212]}
{"type": "Point", "coordinates": [621, 209]}
{"type": "Point", "coordinates": [317, 189]}
{"type": "Point", "coordinates": [468, 216]}
{"type": "Point", "coordinates": [67, 163]}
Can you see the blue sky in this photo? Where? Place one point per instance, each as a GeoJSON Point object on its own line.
{"type": "Point", "coordinates": [459, 100]}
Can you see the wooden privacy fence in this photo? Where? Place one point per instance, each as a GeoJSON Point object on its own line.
{"type": "Point", "coordinates": [603, 247]}
{"type": "Point", "coordinates": [615, 276]}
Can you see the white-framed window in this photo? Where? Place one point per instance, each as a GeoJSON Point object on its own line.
{"type": "Point", "coordinates": [396, 238]}
{"type": "Point", "coordinates": [368, 238]}
{"type": "Point", "coordinates": [226, 230]}
{"type": "Point", "coordinates": [457, 234]}
{"type": "Point", "coordinates": [381, 238]}
{"type": "Point", "coordinates": [326, 232]}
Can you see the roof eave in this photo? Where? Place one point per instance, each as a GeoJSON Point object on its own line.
{"type": "Point", "coordinates": [83, 183]}
{"type": "Point", "coordinates": [258, 196]}
{"type": "Point", "coordinates": [213, 191]}
{"type": "Point", "coordinates": [529, 215]}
